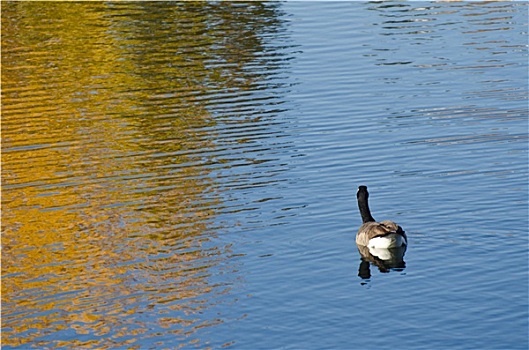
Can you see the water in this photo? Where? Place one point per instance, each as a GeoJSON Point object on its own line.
{"type": "Point", "coordinates": [184, 175]}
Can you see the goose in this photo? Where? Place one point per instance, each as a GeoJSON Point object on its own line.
{"type": "Point", "coordinates": [373, 234]}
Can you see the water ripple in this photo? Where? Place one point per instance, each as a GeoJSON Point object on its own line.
{"type": "Point", "coordinates": [183, 174]}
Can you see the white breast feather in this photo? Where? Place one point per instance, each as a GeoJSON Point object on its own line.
{"type": "Point", "coordinates": [389, 241]}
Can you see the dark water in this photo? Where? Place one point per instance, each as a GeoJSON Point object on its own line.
{"type": "Point", "coordinates": [184, 174]}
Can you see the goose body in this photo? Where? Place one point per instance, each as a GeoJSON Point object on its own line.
{"type": "Point", "coordinates": [373, 234]}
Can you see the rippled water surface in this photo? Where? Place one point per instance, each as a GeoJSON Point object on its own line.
{"type": "Point", "coordinates": [184, 174]}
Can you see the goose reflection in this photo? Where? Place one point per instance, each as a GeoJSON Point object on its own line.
{"type": "Point", "coordinates": [386, 259]}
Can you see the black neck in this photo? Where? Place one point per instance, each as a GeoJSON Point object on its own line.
{"type": "Point", "coordinates": [363, 206]}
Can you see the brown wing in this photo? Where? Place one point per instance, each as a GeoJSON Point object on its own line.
{"type": "Point", "coordinates": [391, 226]}
{"type": "Point", "coordinates": [375, 229]}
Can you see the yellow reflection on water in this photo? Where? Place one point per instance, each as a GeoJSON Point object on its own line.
{"type": "Point", "coordinates": [107, 205]}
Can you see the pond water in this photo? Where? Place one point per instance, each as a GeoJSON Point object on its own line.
{"type": "Point", "coordinates": [184, 174]}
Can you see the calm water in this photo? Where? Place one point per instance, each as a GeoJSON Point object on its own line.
{"type": "Point", "coordinates": [184, 174]}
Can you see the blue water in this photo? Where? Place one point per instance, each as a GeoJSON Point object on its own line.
{"type": "Point", "coordinates": [425, 103]}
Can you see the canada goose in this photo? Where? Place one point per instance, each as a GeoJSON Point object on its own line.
{"type": "Point", "coordinates": [384, 234]}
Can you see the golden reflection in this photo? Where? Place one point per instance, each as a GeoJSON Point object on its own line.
{"type": "Point", "coordinates": [107, 206]}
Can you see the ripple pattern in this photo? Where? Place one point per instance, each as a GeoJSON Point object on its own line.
{"type": "Point", "coordinates": [182, 174]}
